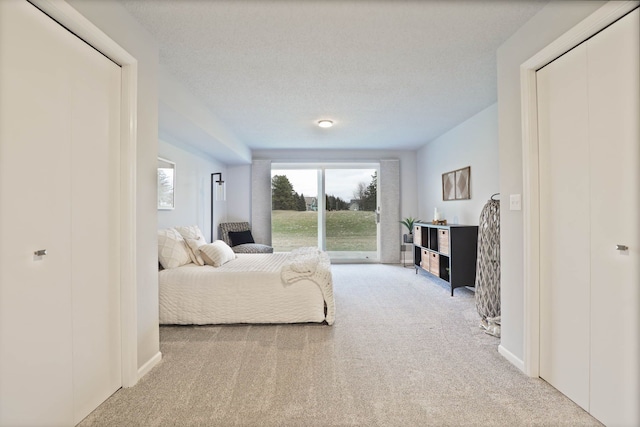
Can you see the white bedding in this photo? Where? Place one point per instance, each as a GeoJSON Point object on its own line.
{"type": "Point", "coordinates": [249, 289]}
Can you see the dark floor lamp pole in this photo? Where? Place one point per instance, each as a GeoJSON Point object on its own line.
{"type": "Point", "coordinates": [211, 240]}
{"type": "Point", "coordinates": [214, 194]}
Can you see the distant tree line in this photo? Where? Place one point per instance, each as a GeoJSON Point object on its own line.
{"type": "Point", "coordinates": [333, 203]}
{"type": "Point", "coordinates": [284, 197]}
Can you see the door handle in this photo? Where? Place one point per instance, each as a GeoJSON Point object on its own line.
{"type": "Point", "coordinates": [622, 248]}
{"type": "Point", "coordinates": [40, 252]}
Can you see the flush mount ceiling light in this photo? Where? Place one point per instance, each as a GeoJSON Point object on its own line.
{"type": "Point", "coordinates": [325, 123]}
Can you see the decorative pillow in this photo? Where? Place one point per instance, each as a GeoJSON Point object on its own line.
{"type": "Point", "coordinates": [217, 253]}
{"type": "Point", "coordinates": [240, 237]}
{"type": "Point", "coordinates": [194, 245]}
{"type": "Point", "coordinates": [172, 249]}
{"type": "Point", "coordinates": [192, 232]}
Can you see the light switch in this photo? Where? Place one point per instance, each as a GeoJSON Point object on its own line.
{"type": "Point", "coordinates": [515, 203]}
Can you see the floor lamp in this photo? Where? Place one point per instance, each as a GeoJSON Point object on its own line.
{"type": "Point", "coordinates": [218, 193]}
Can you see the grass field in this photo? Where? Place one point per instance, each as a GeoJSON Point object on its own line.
{"type": "Point", "coordinates": [346, 230]}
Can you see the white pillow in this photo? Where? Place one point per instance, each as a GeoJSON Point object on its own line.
{"type": "Point", "coordinates": [192, 232]}
{"type": "Point", "coordinates": [172, 249]}
{"type": "Point", "coordinates": [217, 253]}
{"type": "Point", "coordinates": [194, 245]}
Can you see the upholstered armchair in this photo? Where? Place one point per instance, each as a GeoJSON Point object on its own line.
{"type": "Point", "coordinates": [238, 236]}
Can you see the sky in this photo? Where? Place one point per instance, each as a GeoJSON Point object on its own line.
{"type": "Point", "coordinates": [339, 182]}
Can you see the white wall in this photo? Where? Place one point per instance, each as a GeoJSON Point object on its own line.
{"type": "Point", "coordinates": [186, 117]}
{"type": "Point", "coordinates": [239, 193]}
{"type": "Point", "coordinates": [193, 187]}
{"type": "Point", "coordinates": [116, 22]}
{"type": "Point", "coordinates": [551, 22]}
{"type": "Point", "coordinates": [472, 143]}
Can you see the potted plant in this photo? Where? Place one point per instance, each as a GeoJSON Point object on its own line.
{"type": "Point", "coordinates": [409, 222]}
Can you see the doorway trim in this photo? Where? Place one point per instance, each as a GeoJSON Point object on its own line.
{"type": "Point", "coordinates": [71, 19]}
{"type": "Point", "coordinates": [600, 19]}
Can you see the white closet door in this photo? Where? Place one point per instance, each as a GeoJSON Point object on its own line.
{"type": "Point", "coordinates": [614, 135]}
{"type": "Point", "coordinates": [95, 198]}
{"type": "Point", "coordinates": [589, 136]}
{"type": "Point", "coordinates": [564, 225]}
{"type": "Point", "coordinates": [59, 191]}
{"type": "Point", "coordinates": [35, 305]}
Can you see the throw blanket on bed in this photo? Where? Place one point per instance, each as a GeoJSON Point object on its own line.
{"type": "Point", "coordinates": [312, 264]}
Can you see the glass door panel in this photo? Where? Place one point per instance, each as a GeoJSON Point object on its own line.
{"type": "Point", "coordinates": [351, 228]}
{"type": "Point", "coordinates": [294, 208]}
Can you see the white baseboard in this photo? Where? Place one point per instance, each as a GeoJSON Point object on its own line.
{"type": "Point", "coordinates": [144, 369]}
{"type": "Point", "coordinates": [518, 363]}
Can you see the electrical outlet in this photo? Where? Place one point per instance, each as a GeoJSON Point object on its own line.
{"type": "Point", "coordinates": [515, 203]}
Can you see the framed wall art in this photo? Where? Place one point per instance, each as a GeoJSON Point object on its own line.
{"type": "Point", "coordinates": [456, 185]}
{"type": "Point", "coordinates": [449, 186]}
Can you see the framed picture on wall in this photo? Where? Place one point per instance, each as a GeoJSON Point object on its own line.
{"type": "Point", "coordinates": [449, 186]}
{"type": "Point", "coordinates": [166, 184]}
{"type": "Point", "coordinates": [462, 183]}
{"type": "Point", "coordinates": [456, 185]}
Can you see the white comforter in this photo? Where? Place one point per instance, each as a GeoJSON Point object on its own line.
{"type": "Point", "coordinates": [254, 288]}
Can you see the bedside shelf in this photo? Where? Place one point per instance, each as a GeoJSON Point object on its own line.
{"type": "Point", "coordinates": [447, 252]}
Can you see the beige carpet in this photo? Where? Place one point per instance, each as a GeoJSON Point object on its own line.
{"type": "Point", "coordinates": [401, 353]}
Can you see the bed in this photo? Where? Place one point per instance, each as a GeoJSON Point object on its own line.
{"type": "Point", "coordinates": [291, 287]}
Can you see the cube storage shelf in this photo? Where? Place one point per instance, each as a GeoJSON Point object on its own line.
{"type": "Point", "coordinates": [447, 252]}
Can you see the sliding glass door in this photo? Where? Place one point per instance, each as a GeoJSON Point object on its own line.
{"type": "Point", "coordinates": [331, 206]}
{"type": "Point", "coordinates": [350, 218]}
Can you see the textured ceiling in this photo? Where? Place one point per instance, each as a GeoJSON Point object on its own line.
{"type": "Point", "coordinates": [390, 74]}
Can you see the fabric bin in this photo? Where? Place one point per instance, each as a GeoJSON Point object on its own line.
{"type": "Point", "coordinates": [434, 263]}
{"type": "Point", "coordinates": [443, 241]}
{"type": "Point", "coordinates": [424, 260]}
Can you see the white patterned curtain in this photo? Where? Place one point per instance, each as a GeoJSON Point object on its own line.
{"type": "Point", "coordinates": [389, 189]}
{"type": "Point", "coordinates": [261, 201]}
